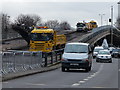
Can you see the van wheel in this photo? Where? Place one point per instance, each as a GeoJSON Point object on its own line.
{"type": "Point", "coordinates": [88, 69]}
{"type": "Point", "coordinates": [63, 69]}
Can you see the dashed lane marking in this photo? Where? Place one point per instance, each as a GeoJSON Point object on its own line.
{"type": "Point", "coordinates": [89, 77]}
{"type": "Point", "coordinates": [76, 84]}
{"type": "Point", "coordinates": [85, 79]}
{"type": "Point", "coordinates": [81, 81]}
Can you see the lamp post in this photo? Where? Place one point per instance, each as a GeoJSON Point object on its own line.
{"type": "Point", "coordinates": [101, 15]}
{"type": "Point", "coordinates": [111, 25]}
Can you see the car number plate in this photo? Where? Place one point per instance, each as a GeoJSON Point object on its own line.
{"type": "Point", "coordinates": [74, 64]}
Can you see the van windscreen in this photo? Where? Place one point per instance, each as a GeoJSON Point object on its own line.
{"type": "Point", "coordinates": [72, 48]}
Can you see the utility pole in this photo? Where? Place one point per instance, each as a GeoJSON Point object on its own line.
{"type": "Point", "coordinates": [101, 15]}
{"type": "Point", "coordinates": [111, 25]}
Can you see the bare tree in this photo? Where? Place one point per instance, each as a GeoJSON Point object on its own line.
{"type": "Point", "coordinates": [23, 23]}
{"type": "Point", "coordinates": [27, 21]}
{"type": "Point", "coordinates": [52, 24]}
{"type": "Point", "coordinates": [65, 25]}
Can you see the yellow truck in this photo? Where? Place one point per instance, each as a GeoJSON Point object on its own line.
{"type": "Point", "coordinates": [46, 40]}
{"type": "Point", "coordinates": [93, 24]}
{"type": "Point", "coordinates": [83, 26]}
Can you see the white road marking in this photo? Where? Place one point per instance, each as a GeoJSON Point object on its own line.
{"type": "Point", "coordinates": [35, 84]}
{"type": "Point", "coordinates": [85, 79]}
{"type": "Point", "coordinates": [4, 82]}
{"type": "Point", "coordinates": [76, 84]}
{"type": "Point", "coordinates": [81, 81]}
{"type": "Point", "coordinates": [89, 77]}
{"type": "Point", "coordinates": [93, 75]}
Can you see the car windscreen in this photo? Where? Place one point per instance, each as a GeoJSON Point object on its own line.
{"type": "Point", "coordinates": [104, 52]}
{"type": "Point", "coordinates": [97, 49]}
{"type": "Point", "coordinates": [115, 50]}
{"type": "Point", "coordinates": [73, 48]}
{"type": "Point", "coordinates": [41, 36]}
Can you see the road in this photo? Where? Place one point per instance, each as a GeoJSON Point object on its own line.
{"type": "Point", "coordinates": [102, 75]}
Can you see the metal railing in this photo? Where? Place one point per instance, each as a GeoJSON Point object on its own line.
{"type": "Point", "coordinates": [20, 61]}
{"type": "Point", "coordinates": [95, 33]}
{"type": "Point", "coordinates": [16, 61]}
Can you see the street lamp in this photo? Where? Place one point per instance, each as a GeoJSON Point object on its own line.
{"type": "Point", "coordinates": [111, 25]}
{"type": "Point", "coordinates": [101, 15]}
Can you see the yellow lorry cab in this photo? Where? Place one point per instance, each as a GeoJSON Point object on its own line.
{"type": "Point", "coordinates": [94, 24]}
{"type": "Point", "coordinates": [46, 40]}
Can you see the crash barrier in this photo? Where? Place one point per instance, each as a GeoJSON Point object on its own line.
{"type": "Point", "coordinates": [20, 61]}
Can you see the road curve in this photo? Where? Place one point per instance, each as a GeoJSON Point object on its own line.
{"type": "Point", "coordinates": [102, 75]}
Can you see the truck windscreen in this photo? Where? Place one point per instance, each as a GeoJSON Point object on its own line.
{"type": "Point", "coordinates": [41, 36]}
{"type": "Point", "coordinates": [80, 25]}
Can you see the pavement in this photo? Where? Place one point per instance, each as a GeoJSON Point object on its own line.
{"type": "Point", "coordinates": [30, 72]}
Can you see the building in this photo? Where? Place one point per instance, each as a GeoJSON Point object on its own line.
{"type": "Point", "coordinates": [119, 9]}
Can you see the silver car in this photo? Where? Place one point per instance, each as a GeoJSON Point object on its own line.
{"type": "Point", "coordinates": [104, 56]}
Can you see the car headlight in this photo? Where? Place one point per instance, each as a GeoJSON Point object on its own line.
{"type": "Point", "coordinates": [98, 56]}
{"type": "Point", "coordinates": [108, 56]}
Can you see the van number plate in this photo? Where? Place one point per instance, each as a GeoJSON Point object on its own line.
{"type": "Point", "coordinates": [74, 64]}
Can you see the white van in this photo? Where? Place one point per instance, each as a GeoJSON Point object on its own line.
{"type": "Point", "coordinates": [77, 55]}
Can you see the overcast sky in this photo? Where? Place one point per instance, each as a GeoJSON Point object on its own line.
{"type": "Point", "coordinates": [72, 11]}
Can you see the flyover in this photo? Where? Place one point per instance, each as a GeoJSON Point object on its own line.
{"type": "Point", "coordinates": [98, 34]}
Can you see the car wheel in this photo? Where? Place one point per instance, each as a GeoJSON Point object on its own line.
{"type": "Point", "coordinates": [96, 60]}
{"type": "Point", "coordinates": [63, 69]}
{"type": "Point", "coordinates": [67, 69]}
{"type": "Point", "coordinates": [110, 61]}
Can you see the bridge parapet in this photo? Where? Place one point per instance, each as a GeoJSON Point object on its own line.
{"type": "Point", "coordinates": [99, 33]}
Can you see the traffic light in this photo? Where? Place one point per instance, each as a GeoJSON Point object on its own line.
{"type": "Point", "coordinates": [110, 20]}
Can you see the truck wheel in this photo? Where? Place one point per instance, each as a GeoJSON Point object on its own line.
{"type": "Point", "coordinates": [63, 69]}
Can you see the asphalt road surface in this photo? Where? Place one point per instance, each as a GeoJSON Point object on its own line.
{"type": "Point", "coordinates": [102, 75]}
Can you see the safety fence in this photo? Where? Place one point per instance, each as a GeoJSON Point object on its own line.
{"type": "Point", "coordinates": [20, 61]}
